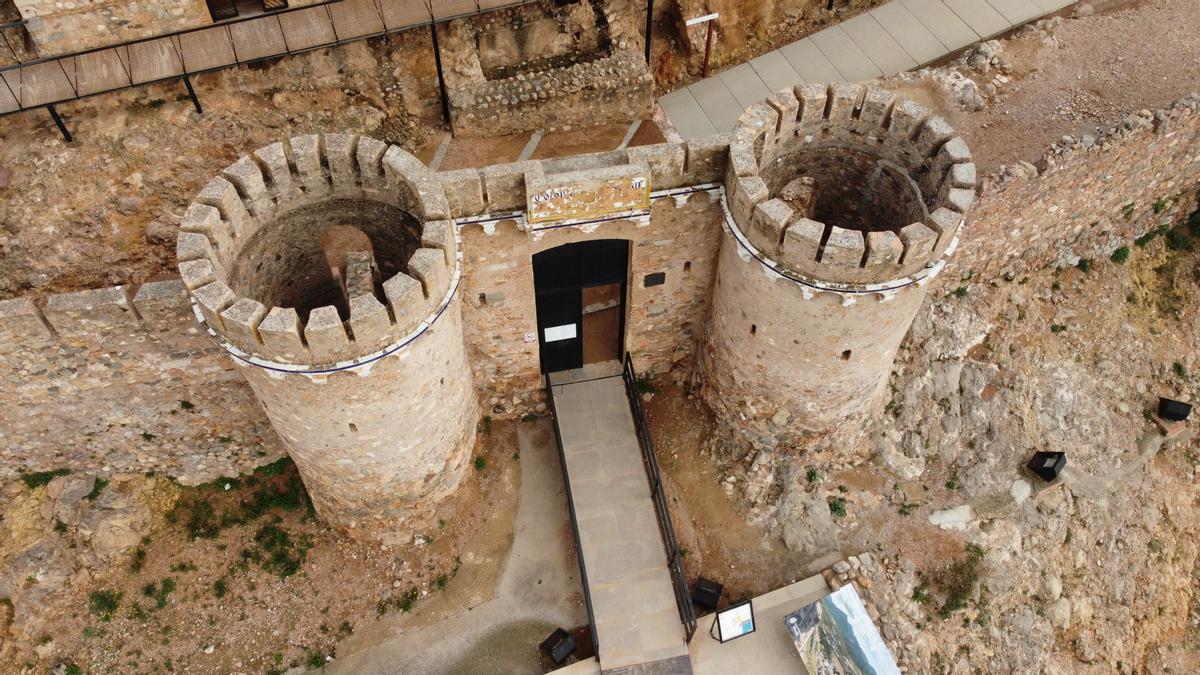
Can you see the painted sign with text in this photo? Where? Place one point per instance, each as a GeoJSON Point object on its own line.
{"type": "Point", "coordinates": [585, 195]}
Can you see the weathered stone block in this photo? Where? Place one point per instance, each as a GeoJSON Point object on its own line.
{"type": "Point", "coordinates": [464, 192]}
{"type": "Point", "coordinates": [768, 223]}
{"type": "Point", "coordinates": [933, 133]}
{"type": "Point", "coordinates": [801, 241]}
{"type": "Point", "coordinates": [248, 179]}
{"type": "Point", "coordinates": [504, 184]}
{"type": "Point", "coordinates": [907, 117]}
{"type": "Point", "coordinates": [844, 99]}
{"type": "Point", "coordinates": [747, 193]}
{"type": "Point", "coordinates": [241, 321]}
{"type": "Point", "coordinates": [439, 234]}
{"type": "Point", "coordinates": [206, 220]}
{"type": "Point", "coordinates": [844, 248]}
{"type": "Point", "coordinates": [221, 194]}
{"type": "Point", "coordinates": [306, 153]}
{"type": "Point", "coordinates": [787, 108]}
{"type": "Point", "coordinates": [919, 241]}
{"type": "Point", "coordinates": [164, 302]}
{"type": "Point", "coordinates": [20, 321]}
{"type": "Point", "coordinates": [407, 300]}
{"type": "Point", "coordinates": [428, 266]}
{"type": "Point", "coordinates": [665, 161]}
{"type": "Point", "coordinates": [90, 312]}
{"type": "Point", "coordinates": [369, 319]}
{"type": "Point", "coordinates": [213, 299]}
{"type": "Point", "coordinates": [280, 333]}
{"type": "Point", "coordinates": [193, 246]}
{"type": "Point", "coordinates": [875, 108]}
{"type": "Point", "coordinates": [327, 339]}
{"type": "Point", "coordinates": [706, 159]}
{"type": "Point", "coordinates": [813, 99]}
{"type": "Point", "coordinates": [197, 273]}
{"type": "Point", "coordinates": [884, 248]}
{"type": "Point", "coordinates": [274, 162]}
{"type": "Point", "coordinates": [340, 150]}
{"type": "Point", "coordinates": [370, 154]}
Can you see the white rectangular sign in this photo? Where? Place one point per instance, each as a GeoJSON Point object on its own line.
{"type": "Point", "coordinates": [563, 332]}
{"type": "Point", "coordinates": [735, 622]}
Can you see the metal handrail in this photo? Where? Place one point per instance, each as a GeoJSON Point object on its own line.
{"type": "Point", "coordinates": [70, 61]}
{"type": "Point", "coordinates": [562, 461]}
{"type": "Point", "coordinates": [683, 599]}
{"type": "Point", "coordinates": [172, 34]}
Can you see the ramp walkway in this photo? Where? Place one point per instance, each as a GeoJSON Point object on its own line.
{"type": "Point", "coordinates": [55, 79]}
{"type": "Point", "coordinates": [898, 36]}
{"type": "Point", "coordinates": [628, 579]}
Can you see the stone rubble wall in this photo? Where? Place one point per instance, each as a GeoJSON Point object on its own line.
{"type": "Point", "coordinates": [63, 27]}
{"type": "Point", "coordinates": [1087, 196]}
{"type": "Point", "coordinates": [609, 90]}
{"type": "Point", "coordinates": [123, 380]}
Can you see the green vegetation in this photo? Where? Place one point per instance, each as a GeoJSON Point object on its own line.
{"type": "Point", "coordinates": [1178, 240]}
{"type": "Point", "coordinates": [480, 463]}
{"type": "Point", "coordinates": [837, 506]}
{"type": "Point", "coordinates": [40, 478]}
{"type": "Point", "coordinates": [530, 417]}
{"type": "Point", "coordinates": [955, 581]}
{"type": "Point", "coordinates": [1180, 370]}
{"type": "Point", "coordinates": [59, 526]}
{"type": "Point", "coordinates": [1144, 240]}
{"type": "Point", "coordinates": [1084, 265]}
{"type": "Point", "coordinates": [186, 405]}
{"type": "Point", "coordinates": [811, 475]}
{"type": "Point", "coordinates": [960, 292]}
{"type": "Point", "coordinates": [220, 587]}
{"type": "Point", "coordinates": [1127, 210]}
{"type": "Point", "coordinates": [97, 488]}
{"type": "Point", "coordinates": [159, 593]}
{"type": "Point", "coordinates": [104, 603]}
{"type": "Point", "coordinates": [1057, 328]}
{"type": "Point", "coordinates": [285, 493]}
{"type": "Point", "coordinates": [277, 553]}
{"type": "Point", "coordinates": [1160, 205]}
{"type": "Point", "coordinates": [404, 603]}
{"type": "Point", "coordinates": [1120, 255]}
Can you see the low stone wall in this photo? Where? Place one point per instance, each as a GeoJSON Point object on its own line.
{"type": "Point", "coordinates": [1090, 195]}
{"type": "Point", "coordinates": [616, 88]}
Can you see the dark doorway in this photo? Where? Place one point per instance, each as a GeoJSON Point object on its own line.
{"type": "Point", "coordinates": [228, 9]}
{"type": "Point", "coordinates": [580, 293]}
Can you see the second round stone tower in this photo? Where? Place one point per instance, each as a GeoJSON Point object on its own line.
{"type": "Point", "coordinates": [327, 266]}
{"type": "Point", "coordinates": [845, 202]}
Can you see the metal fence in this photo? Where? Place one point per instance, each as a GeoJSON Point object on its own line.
{"type": "Point", "coordinates": [43, 82]}
{"type": "Point", "coordinates": [683, 599]}
{"type": "Point", "coordinates": [562, 460]}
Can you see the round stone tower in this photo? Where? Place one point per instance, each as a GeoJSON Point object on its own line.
{"type": "Point", "coordinates": [844, 202]}
{"type": "Point", "coordinates": [327, 266]}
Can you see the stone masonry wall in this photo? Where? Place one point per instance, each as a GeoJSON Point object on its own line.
{"type": "Point", "coordinates": [1091, 195]}
{"type": "Point", "coordinates": [62, 27]}
{"type": "Point", "coordinates": [123, 380]}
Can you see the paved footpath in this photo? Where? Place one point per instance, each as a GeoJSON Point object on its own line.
{"type": "Point", "coordinates": [637, 623]}
{"type": "Point", "coordinates": [901, 35]}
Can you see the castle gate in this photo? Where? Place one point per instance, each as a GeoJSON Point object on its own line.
{"type": "Point", "coordinates": [580, 290]}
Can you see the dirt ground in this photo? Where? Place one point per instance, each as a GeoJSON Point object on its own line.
{"type": "Point", "coordinates": [257, 584]}
{"type": "Point", "coordinates": [1097, 70]}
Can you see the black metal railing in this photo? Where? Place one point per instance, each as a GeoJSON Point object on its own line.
{"type": "Point", "coordinates": [29, 84]}
{"type": "Point", "coordinates": [683, 599]}
{"type": "Point", "coordinates": [562, 461]}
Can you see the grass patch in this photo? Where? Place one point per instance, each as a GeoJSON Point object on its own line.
{"type": "Point", "coordinates": [811, 475]}
{"type": "Point", "coordinates": [277, 553]}
{"type": "Point", "coordinates": [403, 603]}
{"type": "Point", "coordinates": [159, 592]}
{"type": "Point", "coordinates": [837, 507]}
{"type": "Point", "coordinates": [104, 603]}
{"type": "Point", "coordinates": [220, 587]}
{"type": "Point", "coordinates": [1120, 255]}
{"type": "Point", "coordinates": [1178, 240]}
{"type": "Point", "coordinates": [957, 580]}
{"type": "Point", "coordinates": [39, 478]}
{"type": "Point", "coordinates": [1180, 370]}
{"type": "Point", "coordinates": [97, 488]}
{"type": "Point", "coordinates": [280, 489]}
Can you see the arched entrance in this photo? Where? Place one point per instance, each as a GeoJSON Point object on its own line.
{"type": "Point", "coordinates": [580, 291]}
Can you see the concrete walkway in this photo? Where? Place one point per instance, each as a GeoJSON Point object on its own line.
{"type": "Point", "coordinates": [901, 35]}
{"type": "Point", "coordinates": [637, 621]}
{"type": "Point", "coordinates": [539, 590]}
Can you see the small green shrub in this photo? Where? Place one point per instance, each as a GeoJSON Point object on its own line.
{"type": "Point", "coordinates": [837, 507]}
{"type": "Point", "coordinates": [1120, 255]}
{"type": "Point", "coordinates": [104, 603]}
{"type": "Point", "coordinates": [811, 475]}
{"type": "Point", "coordinates": [1127, 210]}
{"type": "Point", "coordinates": [220, 587]}
{"type": "Point", "coordinates": [39, 478]}
{"type": "Point", "coordinates": [186, 405]}
{"type": "Point", "coordinates": [1180, 370]}
{"type": "Point", "coordinates": [97, 488]}
{"type": "Point", "coordinates": [1084, 265]}
{"type": "Point", "coordinates": [480, 463]}
{"type": "Point", "coordinates": [960, 292]}
{"type": "Point", "coordinates": [1178, 240]}
{"type": "Point", "coordinates": [1057, 328]}
{"type": "Point", "coordinates": [59, 526]}
{"type": "Point", "coordinates": [1160, 205]}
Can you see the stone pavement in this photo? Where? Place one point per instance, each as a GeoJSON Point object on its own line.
{"type": "Point", "coordinates": [900, 35]}
{"type": "Point", "coordinates": [637, 623]}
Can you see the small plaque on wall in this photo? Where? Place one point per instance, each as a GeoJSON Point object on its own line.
{"type": "Point", "coordinates": [654, 279]}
